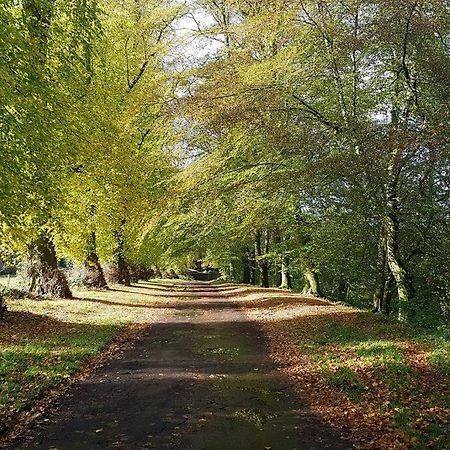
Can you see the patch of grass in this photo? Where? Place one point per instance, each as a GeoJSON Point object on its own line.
{"type": "Point", "coordinates": [33, 364]}
{"type": "Point", "coordinates": [42, 343]}
{"type": "Point", "coordinates": [345, 380]}
{"type": "Point", "coordinates": [340, 334]}
{"type": "Point", "coordinates": [384, 366]}
{"type": "Point", "coordinates": [440, 435]}
{"type": "Point", "coordinates": [440, 358]}
{"type": "Point", "coordinates": [402, 417]}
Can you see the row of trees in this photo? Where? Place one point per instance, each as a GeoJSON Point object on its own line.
{"type": "Point", "coordinates": [315, 142]}
{"type": "Point", "coordinates": [84, 133]}
{"type": "Point", "coordinates": [323, 132]}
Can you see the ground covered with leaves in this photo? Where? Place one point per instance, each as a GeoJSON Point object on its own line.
{"type": "Point", "coordinates": [384, 384]}
{"type": "Point", "coordinates": [378, 383]}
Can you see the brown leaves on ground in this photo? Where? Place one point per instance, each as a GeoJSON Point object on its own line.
{"type": "Point", "coordinates": [365, 376]}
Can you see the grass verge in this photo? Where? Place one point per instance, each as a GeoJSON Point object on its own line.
{"type": "Point", "coordinates": [44, 342]}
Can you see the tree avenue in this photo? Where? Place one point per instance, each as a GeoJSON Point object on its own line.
{"type": "Point", "coordinates": [288, 143]}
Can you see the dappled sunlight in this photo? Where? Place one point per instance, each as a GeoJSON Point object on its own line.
{"type": "Point", "coordinates": [372, 379]}
{"type": "Point", "coordinates": [356, 370]}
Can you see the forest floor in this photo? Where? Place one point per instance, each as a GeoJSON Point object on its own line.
{"type": "Point", "coordinates": [203, 366]}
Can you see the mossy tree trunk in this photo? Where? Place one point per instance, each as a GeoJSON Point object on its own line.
{"type": "Point", "coordinates": [312, 285]}
{"type": "Point", "coordinates": [120, 272]}
{"type": "Point", "coordinates": [391, 225]}
{"type": "Point", "coordinates": [286, 279]}
{"type": "Point", "coordinates": [93, 276]}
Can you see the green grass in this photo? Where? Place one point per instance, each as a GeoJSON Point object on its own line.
{"type": "Point", "coordinates": [44, 342]}
{"type": "Point", "coordinates": [370, 360]}
{"type": "Point", "coordinates": [32, 365]}
{"type": "Point", "coordinates": [345, 380]}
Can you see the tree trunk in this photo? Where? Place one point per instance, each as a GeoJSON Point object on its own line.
{"type": "Point", "coordinates": [263, 263]}
{"type": "Point", "coordinates": [391, 222]}
{"type": "Point", "coordinates": [378, 295]}
{"type": "Point", "coordinates": [120, 272]}
{"type": "Point", "coordinates": [286, 279]}
{"type": "Point", "coordinates": [93, 276]}
{"type": "Point", "coordinates": [42, 274]}
{"type": "Point", "coordinates": [246, 269]}
{"type": "Point", "coordinates": [387, 293]}
{"type": "Point", "coordinates": [278, 262]}
{"type": "Point", "coordinates": [342, 289]}
{"type": "Point", "coordinates": [311, 282]}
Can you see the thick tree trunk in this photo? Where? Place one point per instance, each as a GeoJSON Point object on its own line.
{"type": "Point", "coordinates": [120, 272]}
{"type": "Point", "coordinates": [93, 276]}
{"type": "Point", "coordinates": [391, 223]}
{"type": "Point", "coordinates": [387, 292]}
{"type": "Point", "coordinates": [286, 279]}
{"type": "Point", "coordinates": [312, 285]}
{"type": "Point", "coordinates": [41, 273]}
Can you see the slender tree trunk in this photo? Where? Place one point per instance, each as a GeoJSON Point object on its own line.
{"type": "Point", "coordinates": [263, 263]}
{"type": "Point", "coordinates": [286, 279]}
{"type": "Point", "coordinates": [278, 262]}
{"type": "Point", "coordinates": [391, 221]}
{"type": "Point", "coordinates": [378, 295]}
{"type": "Point", "coordinates": [253, 273]}
{"type": "Point", "coordinates": [42, 274]}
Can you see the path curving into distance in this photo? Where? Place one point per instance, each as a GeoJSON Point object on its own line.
{"type": "Point", "coordinates": [199, 378]}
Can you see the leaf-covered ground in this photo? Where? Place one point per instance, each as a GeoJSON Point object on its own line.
{"type": "Point", "coordinates": [378, 383]}
{"type": "Point", "coordinates": [384, 384]}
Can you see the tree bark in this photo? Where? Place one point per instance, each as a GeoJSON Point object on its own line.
{"type": "Point", "coordinates": [120, 272]}
{"type": "Point", "coordinates": [286, 279]}
{"type": "Point", "coordinates": [93, 276]}
{"type": "Point", "coordinates": [263, 262]}
{"type": "Point", "coordinates": [378, 294]}
{"type": "Point", "coordinates": [246, 269]}
{"type": "Point", "coordinates": [312, 285]}
{"type": "Point", "coordinates": [391, 222]}
{"type": "Point", "coordinates": [41, 273]}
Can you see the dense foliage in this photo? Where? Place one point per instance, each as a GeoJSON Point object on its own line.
{"type": "Point", "coordinates": [308, 148]}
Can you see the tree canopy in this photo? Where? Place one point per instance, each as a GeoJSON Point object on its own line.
{"type": "Point", "coordinates": [301, 144]}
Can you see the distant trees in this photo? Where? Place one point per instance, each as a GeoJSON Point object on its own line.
{"type": "Point", "coordinates": [328, 149]}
